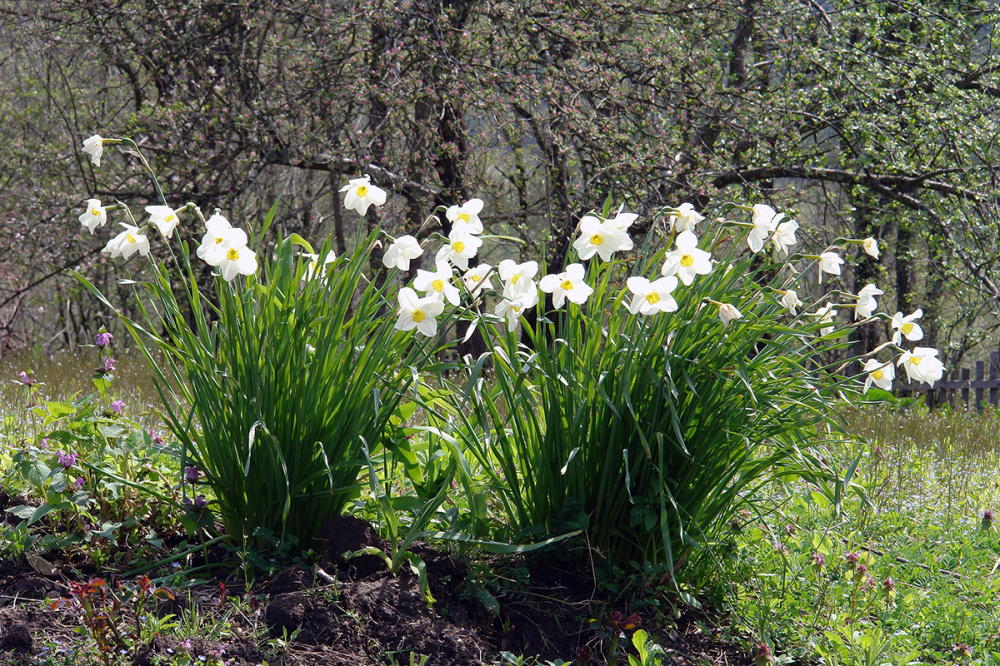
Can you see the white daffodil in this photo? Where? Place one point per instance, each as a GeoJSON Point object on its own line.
{"type": "Point", "coordinates": [791, 301]}
{"type": "Point", "coordinates": [437, 284]}
{"type": "Point", "coordinates": [687, 260]}
{"type": "Point", "coordinates": [127, 243]}
{"type": "Point", "coordinates": [517, 278]}
{"type": "Point", "coordinates": [598, 237]}
{"type": "Point", "coordinates": [512, 309]}
{"type": "Point", "coordinates": [829, 262]}
{"type": "Point", "coordinates": [211, 251]}
{"type": "Point", "coordinates": [880, 373]}
{"type": "Point", "coordinates": [95, 216]}
{"type": "Point", "coordinates": [418, 313]}
{"type": "Point", "coordinates": [622, 220]}
{"type": "Point", "coordinates": [784, 235]}
{"type": "Point", "coordinates": [652, 297]}
{"type": "Point", "coordinates": [94, 146]}
{"type": "Point", "coordinates": [237, 258]}
{"type": "Point", "coordinates": [401, 252]}
{"type": "Point", "coordinates": [465, 218]}
{"type": "Point", "coordinates": [476, 279]}
{"type": "Point", "coordinates": [764, 221]}
{"type": "Point", "coordinates": [685, 218]}
{"type": "Point", "coordinates": [870, 246]}
{"type": "Point", "coordinates": [825, 315]}
{"type": "Point", "coordinates": [866, 301]}
{"type": "Point", "coordinates": [461, 247]}
{"type": "Point", "coordinates": [922, 365]}
{"type": "Point", "coordinates": [729, 312]}
{"type": "Point", "coordinates": [907, 327]}
{"type": "Point", "coordinates": [164, 218]}
{"type": "Point", "coordinates": [361, 194]}
{"type": "Point", "coordinates": [314, 266]}
{"type": "Point", "coordinates": [567, 285]}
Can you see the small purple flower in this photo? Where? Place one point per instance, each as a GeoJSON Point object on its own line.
{"type": "Point", "coordinates": [103, 339]}
{"type": "Point", "coordinates": [961, 649]}
{"type": "Point", "coordinates": [199, 502]}
{"type": "Point", "coordinates": [988, 516]}
{"type": "Point", "coordinates": [67, 460]}
{"type": "Point", "coordinates": [118, 406]}
{"type": "Point", "coordinates": [157, 439]}
{"type": "Point", "coordinates": [763, 655]}
{"type": "Point", "coordinates": [780, 547]}
{"type": "Point", "coordinates": [791, 529]}
{"type": "Point", "coordinates": [818, 560]}
{"type": "Point", "coordinates": [853, 559]}
{"type": "Point", "coordinates": [888, 586]}
{"type": "Point", "coordinates": [79, 483]}
{"type": "Point", "coordinates": [192, 474]}
{"type": "Point", "coordinates": [28, 379]}
{"type": "Point", "coordinates": [862, 570]}
{"type": "Point", "coordinates": [44, 444]}
{"type": "Point", "coordinates": [109, 364]}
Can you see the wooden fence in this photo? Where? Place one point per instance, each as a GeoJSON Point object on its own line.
{"type": "Point", "coordinates": [959, 388]}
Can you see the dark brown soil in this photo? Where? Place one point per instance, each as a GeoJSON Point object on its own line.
{"type": "Point", "coordinates": [353, 612]}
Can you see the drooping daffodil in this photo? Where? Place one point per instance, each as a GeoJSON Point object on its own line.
{"type": "Point", "coordinates": [922, 365]}
{"type": "Point", "coordinates": [314, 266]}
{"type": "Point", "coordinates": [361, 194]}
{"type": "Point", "coordinates": [517, 278]}
{"type": "Point", "coordinates": [418, 313]}
{"type": "Point", "coordinates": [825, 315]}
{"type": "Point", "coordinates": [870, 246]}
{"type": "Point", "coordinates": [465, 218]}
{"type": "Point", "coordinates": [652, 297]}
{"type": "Point", "coordinates": [211, 251]}
{"type": "Point", "coordinates": [567, 285]}
{"type": "Point", "coordinates": [784, 235]}
{"type": "Point", "coordinates": [829, 262]}
{"type": "Point", "coordinates": [94, 146]}
{"type": "Point", "coordinates": [791, 301]}
{"type": "Point", "coordinates": [907, 327]}
{"type": "Point", "coordinates": [164, 218]}
{"type": "Point", "coordinates": [729, 313]}
{"type": "Point", "coordinates": [687, 260]}
{"type": "Point", "coordinates": [401, 251]}
{"type": "Point", "coordinates": [765, 220]}
{"type": "Point", "coordinates": [880, 373]}
{"type": "Point", "coordinates": [95, 216]}
{"type": "Point", "coordinates": [866, 301]}
{"type": "Point", "coordinates": [127, 243]}
{"type": "Point", "coordinates": [685, 218]}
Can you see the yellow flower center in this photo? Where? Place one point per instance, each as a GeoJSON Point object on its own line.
{"type": "Point", "coordinates": [475, 279]}
{"type": "Point", "coordinates": [514, 279]}
{"type": "Point", "coordinates": [687, 261]}
{"type": "Point", "coordinates": [95, 212]}
{"type": "Point", "coordinates": [906, 328]}
{"type": "Point", "coordinates": [437, 285]}
{"type": "Point", "coordinates": [232, 254]}
{"type": "Point", "coordinates": [129, 238]}
{"type": "Point", "coordinates": [877, 374]}
{"type": "Point", "coordinates": [653, 298]}
{"type": "Point", "coordinates": [362, 191]}
{"type": "Point", "coordinates": [515, 309]}
{"type": "Point", "coordinates": [596, 239]}
{"type": "Point", "coordinates": [169, 218]}
{"type": "Point", "coordinates": [566, 285]}
{"type": "Point", "coordinates": [915, 360]}
{"type": "Point", "coordinates": [218, 240]}
{"type": "Point", "coordinates": [463, 217]}
{"type": "Point", "coordinates": [458, 246]}
{"type": "Point", "coordinates": [418, 316]}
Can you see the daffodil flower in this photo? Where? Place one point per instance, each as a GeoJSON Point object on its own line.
{"type": "Point", "coordinates": [164, 218]}
{"type": "Point", "coordinates": [907, 327]}
{"type": "Point", "coordinates": [401, 252]}
{"type": "Point", "coordinates": [517, 278]}
{"type": "Point", "coordinates": [652, 297]}
{"type": "Point", "coordinates": [622, 221]}
{"type": "Point", "coordinates": [465, 218]}
{"type": "Point", "coordinates": [764, 221]}
{"type": "Point", "coordinates": [567, 285]}
{"type": "Point", "coordinates": [685, 218]}
{"type": "Point", "coordinates": [784, 235]}
{"type": "Point", "coordinates": [211, 250]}
{"type": "Point", "coordinates": [418, 313]}
{"type": "Point", "coordinates": [687, 260]}
{"type": "Point", "coordinates": [127, 243]}
{"type": "Point", "coordinates": [94, 146]}
{"type": "Point", "coordinates": [922, 365]}
{"type": "Point", "coordinates": [95, 216]}
{"type": "Point", "coordinates": [460, 248]}
{"type": "Point", "coordinates": [314, 265]}
{"type": "Point", "coordinates": [597, 237]}
{"type": "Point", "coordinates": [825, 315]}
{"type": "Point", "coordinates": [437, 284]}
{"type": "Point", "coordinates": [512, 309]}
{"type": "Point", "coordinates": [870, 246]}
{"type": "Point", "coordinates": [880, 373]}
{"type": "Point", "coordinates": [829, 262]}
{"type": "Point", "coordinates": [476, 280]}
{"type": "Point", "coordinates": [791, 301]}
{"type": "Point", "coordinates": [237, 259]}
{"type": "Point", "coordinates": [361, 194]}
{"type": "Point", "coordinates": [866, 301]}
{"type": "Point", "coordinates": [728, 313]}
